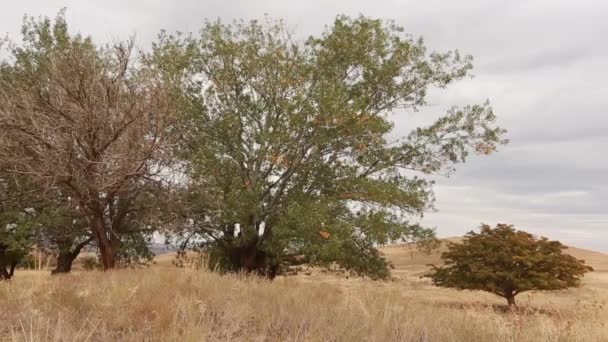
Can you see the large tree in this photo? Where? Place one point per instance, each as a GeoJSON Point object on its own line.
{"type": "Point", "coordinates": [507, 262]}
{"type": "Point", "coordinates": [92, 121]}
{"type": "Point", "coordinates": [288, 140]}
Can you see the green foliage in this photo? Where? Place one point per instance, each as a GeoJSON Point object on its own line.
{"type": "Point", "coordinates": [291, 136]}
{"type": "Point", "coordinates": [90, 263]}
{"type": "Point", "coordinates": [28, 262]}
{"type": "Point", "coordinates": [42, 39]}
{"type": "Point", "coordinates": [506, 262]}
{"type": "Point", "coordinates": [53, 225]}
{"type": "Point", "coordinates": [17, 230]}
{"type": "Point", "coordinates": [19, 224]}
{"type": "Point", "coordinates": [134, 250]}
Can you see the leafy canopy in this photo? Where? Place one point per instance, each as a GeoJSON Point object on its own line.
{"type": "Point", "coordinates": [507, 262]}
{"type": "Point", "coordinates": [288, 139]}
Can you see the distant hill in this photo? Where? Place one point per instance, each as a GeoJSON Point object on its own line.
{"type": "Point", "coordinates": [408, 257]}
{"type": "Point", "coordinates": [161, 248]}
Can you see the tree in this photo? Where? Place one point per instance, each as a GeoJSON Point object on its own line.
{"type": "Point", "coordinates": [14, 245]}
{"type": "Point", "coordinates": [61, 233]}
{"type": "Point", "coordinates": [18, 225]}
{"type": "Point", "coordinates": [15, 241]}
{"type": "Point", "coordinates": [287, 154]}
{"type": "Point", "coordinates": [91, 121]}
{"type": "Point", "coordinates": [64, 235]}
{"type": "Point", "coordinates": [507, 262]}
{"type": "Point", "coordinates": [31, 218]}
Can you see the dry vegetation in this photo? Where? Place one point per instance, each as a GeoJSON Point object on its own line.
{"type": "Point", "coordinates": [168, 304]}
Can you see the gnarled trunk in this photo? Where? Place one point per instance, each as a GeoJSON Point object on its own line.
{"type": "Point", "coordinates": [257, 261]}
{"type": "Point", "coordinates": [66, 256]}
{"type": "Point", "coordinates": [251, 259]}
{"type": "Point", "coordinates": [64, 262]}
{"type": "Point", "coordinates": [244, 253]}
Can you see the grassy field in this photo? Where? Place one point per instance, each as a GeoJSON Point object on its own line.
{"type": "Point", "coordinates": [163, 303]}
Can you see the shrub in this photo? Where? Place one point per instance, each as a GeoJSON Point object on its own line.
{"type": "Point", "coordinates": [90, 263]}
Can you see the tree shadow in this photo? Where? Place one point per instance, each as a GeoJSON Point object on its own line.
{"type": "Point", "coordinates": [501, 308]}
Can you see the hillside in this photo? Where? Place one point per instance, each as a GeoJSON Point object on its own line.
{"type": "Point", "coordinates": [406, 257]}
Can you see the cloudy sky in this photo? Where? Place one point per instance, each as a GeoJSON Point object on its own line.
{"type": "Point", "coordinates": [542, 64]}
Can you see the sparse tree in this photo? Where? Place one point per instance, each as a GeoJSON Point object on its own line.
{"type": "Point", "coordinates": [288, 141]}
{"type": "Point", "coordinates": [92, 121]}
{"type": "Point", "coordinates": [507, 262]}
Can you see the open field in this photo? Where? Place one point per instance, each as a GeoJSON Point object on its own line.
{"type": "Point", "coordinates": [163, 303]}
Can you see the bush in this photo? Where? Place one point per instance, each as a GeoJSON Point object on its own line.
{"type": "Point", "coordinates": [90, 263]}
{"type": "Point", "coordinates": [28, 262]}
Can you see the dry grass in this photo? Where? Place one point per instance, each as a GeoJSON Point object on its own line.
{"type": "Point", "coordinates": [168, 304]}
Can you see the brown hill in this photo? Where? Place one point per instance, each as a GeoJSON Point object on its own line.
{"type": "Point", "coordinates": [407, 257]}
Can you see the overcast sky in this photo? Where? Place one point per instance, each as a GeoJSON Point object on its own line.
{"type": "Point", "coordinates": [542, 64]}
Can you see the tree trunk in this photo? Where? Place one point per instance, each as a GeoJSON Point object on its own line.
{"type": "Point", "coordinates": [66, 258]}
{"type": "Point", "coordinates": [4, 273]}
{"type": "Point", "coordinates": [251, 259]}
{"type": "Point", "coordinates": [116, 245]}
{"type": "Point", "coordinates": [511, 300]}
{"type": "Point", "coordinates": [103, 243]}
{"type": "Point", "coordinates": [64, 262]}
{"type": "Point", "coordinates": [11, 272]}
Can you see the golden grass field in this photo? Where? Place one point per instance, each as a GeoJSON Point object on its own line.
{"type": "Point", "coordinates": [163, 303]}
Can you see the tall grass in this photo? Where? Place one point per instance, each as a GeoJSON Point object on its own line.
{"type": "Point", "coordinates": [168, 304]}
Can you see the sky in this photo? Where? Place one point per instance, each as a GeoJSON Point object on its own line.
{"type": "Point", "coordinates": [542, 65]}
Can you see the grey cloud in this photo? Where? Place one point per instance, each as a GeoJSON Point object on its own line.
{"type": "Point", "coordinates": [537, 61]}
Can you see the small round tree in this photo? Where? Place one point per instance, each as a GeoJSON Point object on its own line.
{"type": "Point", "coordinates": [507, 262]}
